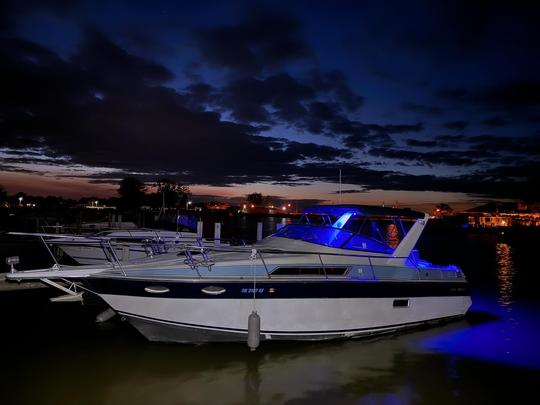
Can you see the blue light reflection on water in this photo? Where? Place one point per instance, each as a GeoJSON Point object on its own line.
{"type": "Point", "coordinates": [511, 335]}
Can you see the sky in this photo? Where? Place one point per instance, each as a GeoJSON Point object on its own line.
{"type": "Point", "coordinates": [414, 102]}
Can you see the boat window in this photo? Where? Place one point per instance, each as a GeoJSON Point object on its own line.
{"type": "Point", "coordinates": [360, 242]}
{"type": "Point", "coordinates": [310, 271]}
{"type": "Point", "coordinates": [316, 219]}
{"type": "Point", "coordinates": [325, 236]}
{"type": "Point", "coordinates": [332, 237]}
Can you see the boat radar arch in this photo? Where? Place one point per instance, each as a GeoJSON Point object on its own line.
{"type": "Point", "coordinates": [403, 250]}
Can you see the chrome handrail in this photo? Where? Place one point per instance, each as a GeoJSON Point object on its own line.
{"type": "Point", "coordinates": [190, 252]}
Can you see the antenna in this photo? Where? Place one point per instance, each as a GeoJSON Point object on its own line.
{"type": "Point", "coordinates": [340, 186]}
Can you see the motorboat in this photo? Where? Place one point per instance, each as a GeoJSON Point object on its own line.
{"type": "Point", "coordinates": [125, 244]}
{"type": "Point", "coordinates": [116, 245]}
{"type": "Point", "coordinates": [341, 271]}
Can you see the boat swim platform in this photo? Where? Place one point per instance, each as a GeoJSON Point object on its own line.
{"type": "Point", "coordinates": [6, 285]}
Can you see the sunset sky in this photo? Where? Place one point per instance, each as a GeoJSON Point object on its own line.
{"type": "Point", "coordinates": [416, 102]}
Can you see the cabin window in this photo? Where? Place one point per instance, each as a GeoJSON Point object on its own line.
{"type": "Point", "coordinates": [401, 303]}
{"type": "Point", "coordinates": [310, 271]}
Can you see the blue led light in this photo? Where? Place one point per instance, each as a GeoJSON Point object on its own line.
{"type": "Point", "coordinates": [507, 337]}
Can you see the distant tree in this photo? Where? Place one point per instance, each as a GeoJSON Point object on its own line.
{"type": "Point", "coordinates": [172, 194]}
{"type": "Point", "coordinates": [445, 207]}
{"type": "Point", "coordinates": [443, 210]}
{"type": "Point", "coordinates": [255, 198]}
{"type": "Point", "coordinates": [132, 192]}
{"type": "Point", "coordinates": [3, 195]}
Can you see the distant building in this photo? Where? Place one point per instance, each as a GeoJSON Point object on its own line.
{"type": "Point", "coordinates": [218, 206]}
{"type": "Point", "coordinates": [497, 214]}
{"type": "Point", "coordinates": [248, 208]}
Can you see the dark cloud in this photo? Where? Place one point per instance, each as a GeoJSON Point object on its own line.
{"type": "Point", "coordinates": [349, 191]}
{"type": "Point", "coordinates": [264, 40]}
{"type": "Point", "coordinates": [315, 151]}
{"type": "Point", "coordinates": [429, 40]}
{"type": "Point", "coordinates": [359, 141]}
{"type": "Point", "coordinates": [422, 109]}
{"type": "Point", "coordinates": [320, 113]}
{"type": "Point", "coordinates": [7, 10]}
{"type": "Point", "coordinates": [421, 143]}
{"type": "Point", "coordinates": [449, 139]}
{"type": "Point", "coordinates": [526, 146]}
{"type": "Point", "coordinates": [106, 107]}
{"type": "Point", "coordinates": [399, 129]}
{"type": "Point", "coordinates": [314, 103]}
{"type": "Point", "coordinates": [359, 135]}
{"type": "Point", "coordinates": [249, 99]}
{"type": "Point", "coordinates": [123, 118]}
{"type": "Point", "coordinates": [457, 125]}
{"type": "Point", "coordinates": [12, 10]}
{"type": "Point", "coordinates": [114, 67]}
{"type": "Point", "coordinates": [479, 183]}
{"type": "Point", "coordinates": [334, 82]}
{"type": "Point", "coordinates": [495, 121]}
{"type": "Point", "coordinates": [450, 158]}
{"type": "Point", "coordinates": [508, 96]}
{"type": "Point", "coordinates": [201, 95]}
{"type": "Point", "coordinates": [504, 146]}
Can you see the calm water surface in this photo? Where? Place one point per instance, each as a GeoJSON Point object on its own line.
{"type": "Point", "coordinates": [55, 353]}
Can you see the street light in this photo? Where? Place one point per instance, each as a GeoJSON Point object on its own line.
{"type": "Point", "coordinates": [20, 200]}
{"type": "Point", "coordinates": [188, 203]}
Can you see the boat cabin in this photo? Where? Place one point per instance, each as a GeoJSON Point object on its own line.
{"type": "Point", "coordinates": [353, 227]}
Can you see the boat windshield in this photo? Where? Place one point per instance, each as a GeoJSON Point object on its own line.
{"type": "Point", "coordinates": [332, 237]}
{"type": "Point", "coordinates": [374, 229]}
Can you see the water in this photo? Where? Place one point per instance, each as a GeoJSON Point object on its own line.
{"type": "Point", "coordinates": [57, 354]}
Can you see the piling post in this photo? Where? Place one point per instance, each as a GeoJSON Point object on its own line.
{"type": "Point", "coordinates": [199, 229]}
{"type": "Point", "coordinates": [217, 234]}
{"type": "Point", "coordinates": [259, 231]}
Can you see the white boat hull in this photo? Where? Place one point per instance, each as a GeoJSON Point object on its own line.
{"type": "Point", "coordinates": [207, 320]}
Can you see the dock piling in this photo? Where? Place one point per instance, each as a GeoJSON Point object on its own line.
{"type": "Point", "coordinates": [217, 234]}
{"type": "Point", "coordinates": [259, 231]}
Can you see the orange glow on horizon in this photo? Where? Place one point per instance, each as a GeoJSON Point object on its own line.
{"type": "Point", "coordinates": [44, 185]}
{"type": "Point", "coordinates": [33, 184]}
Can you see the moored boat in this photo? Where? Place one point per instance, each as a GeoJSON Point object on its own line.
{"type": "Point", "coordinates": [341, 271]}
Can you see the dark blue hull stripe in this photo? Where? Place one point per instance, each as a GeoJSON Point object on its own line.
{"type": "Point", "coordinates": [279, 289]}
{"type": "Point", "coordinates": [286, 332]}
